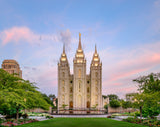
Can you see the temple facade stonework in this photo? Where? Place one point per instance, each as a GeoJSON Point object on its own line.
{"type": "Point", "coordinates": [79, 90]}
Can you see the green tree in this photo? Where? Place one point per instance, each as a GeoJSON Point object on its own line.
{"type": "Point", "coordinates": [106, 107]}
{"type": "Point", "coordinates": [16, 93]}
{"type": "Point", "coordinates": [49, 100]}
{"type": "Point", "coordinates": [139, 102]}
{"type": "Point", "coordinates": [113, 97]}
{"type": "Point", "coordinates": [149, 83]}
{"type": "Point", "coordinates": [114, 103]}
{"type": "Point", "coordinates": [126, 104]}
{"type": "Point", "coordinates": [52, 96]}
{"type": "Point", "coordinates": [149, 92]}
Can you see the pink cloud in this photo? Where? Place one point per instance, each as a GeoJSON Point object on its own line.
{"type": "Point", "coordinates": [121, 67]}
{"type": "Point", "coordinates": [25, 34]}
{"type": "Point", "coordinates": [136, 63]}
{"type": "Point", "coordinates": [16, 34]}
{"type": "Point", "coordinates": [125, 74]}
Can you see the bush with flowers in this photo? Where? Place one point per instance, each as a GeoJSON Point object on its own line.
{"type": "Point", "coordinates": [14, 122]}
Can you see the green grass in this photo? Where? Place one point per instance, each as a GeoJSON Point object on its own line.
{"type": "Point", "coordinates": [80, 122]}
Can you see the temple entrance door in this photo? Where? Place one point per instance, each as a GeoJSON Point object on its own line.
{"type": "Point", "coordinates": [88, 107]}
{"type": "Point", "coordinates": [71, 107]}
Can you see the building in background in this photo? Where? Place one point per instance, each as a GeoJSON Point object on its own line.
{"type": "Point", "coordinates": [105, 100]}
{"type": "Point", "coordinates": [12, 67]}
{"type": "Point", "coordinates": [130, 97]}
{"type": "Point", "coordinates": [79, 90]}
{"type": "Point", "coordinates": [55, 101]}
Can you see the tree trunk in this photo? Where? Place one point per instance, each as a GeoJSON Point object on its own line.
{"type": "Point", "coordinates": [140, 112]}
{"type": "Point", "coordinates": [17, 114]}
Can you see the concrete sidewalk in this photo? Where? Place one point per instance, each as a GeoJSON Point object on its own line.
{"type": "Point", "coordinates": [81, 116]}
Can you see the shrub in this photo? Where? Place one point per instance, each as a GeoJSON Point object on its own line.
{"type": "Point", "coordinates": [114, 103]}
{"type": "Point", "coordinates": [9, 116]}
{"type": "Point", "coordinates": [137, 113]}
{"type": "Point", "coordinates": [108, 116]}
{"type": "Point", "coordinates": [1, 121]}
{"type": "Point", "coordinates": [49, 117]}
{"type": "Point", "coordinates": [133, 120]}
{"type": "Point", "coordinates": [149, 122]}
{"type": "Point", "coordinates": [129, 119]}
{"type": "Point", "coordinates": [25, 116]}
{"type": "Point", "coordinates": [106, 107]}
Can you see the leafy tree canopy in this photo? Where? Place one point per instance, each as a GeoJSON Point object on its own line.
{"type": "Point", "coordinates": [149, 93]}
{"type": "Point", "coordinates": [113, 97]}
{"type": "Point", "coordinates": [19, 94]}
{"type": "Point", "coordinates": [126, 104]}
{"type": "Point", "coordinates": [114, 103]}
{"type": "Point", "coordinates": [149, 83]}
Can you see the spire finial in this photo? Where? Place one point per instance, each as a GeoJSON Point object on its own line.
{"type": "Point", "coordinates": [95, 49]}
{"type": "Point", "coordinates": [63, 48]}
{"type": "Point", "coordinates": [79, 46]}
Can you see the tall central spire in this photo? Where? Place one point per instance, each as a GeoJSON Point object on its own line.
{"type": "Point", "coordinates": [95, 49]}
{"type": "Point", "coordinates": [63, 48]}
{"type": "Point", "coordinates": [79, 46]}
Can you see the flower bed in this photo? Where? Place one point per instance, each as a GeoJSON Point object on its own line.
{"type": "Point", "coordinates": [13, 122]}
{"type": "Point", "coordinates": [149, 122]}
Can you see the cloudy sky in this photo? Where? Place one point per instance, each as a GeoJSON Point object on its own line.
{"type": "Point", "coordinates": [126, 32]}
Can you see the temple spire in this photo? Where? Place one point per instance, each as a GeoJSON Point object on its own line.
{"type": "Point", "coordinates": [63, 48]}
{"type": "Point", "coordinates": [79, 46]}
{"type": "Point", "coordinates": [95, 49]}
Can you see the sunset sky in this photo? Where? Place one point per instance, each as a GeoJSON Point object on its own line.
{"type": "Point", "coordinates": [126, 32]}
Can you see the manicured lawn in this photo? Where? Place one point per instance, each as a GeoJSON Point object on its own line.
{"type": "Point", "coordinates": [80, 122]}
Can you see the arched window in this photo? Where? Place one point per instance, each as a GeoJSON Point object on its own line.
{"type": "Point", "coordinates": [96, 89]}
{"type": "Point", "coordinates": [63, 97]}
{"type": "Point", "coordinates": [96, 82]}
{"type": "Point", "coordinates": [79, 84]}
{"type": "Point", "coordinates": [62, 82]}
{"type": "Point", "coordinates": [63, 74]}
{"type": "Point", "coordinates": [71, 90]}
{"type": "Point", "coordinates": [79, 73]}
{"type": "Point", "coordinates": [88, 90]}
{"type": "Point", "coordinates": [63, 89]}
{"type": "Point", "coordinates": [96, 74]}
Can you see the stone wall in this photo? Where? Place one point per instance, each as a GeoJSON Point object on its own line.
{"type": "Point", "coordinates": [119, 110]}
{"type": "Point", "coordinates": [39, 110]}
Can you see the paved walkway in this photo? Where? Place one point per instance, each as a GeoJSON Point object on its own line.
{"type": "Point", "coordinates": [39, 118]}
{"type": "Point", "coordinates": [80, 116]}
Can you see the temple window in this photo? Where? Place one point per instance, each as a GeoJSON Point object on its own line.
{"type": "Point", "coordinates": [96, 82]}
{"type": "Point", "coordinates": [96, 74]}
{"type": "Point", "coordinates": [63, 97]}
{"type": "Point", "coordinates": [79, 86]}
{"type": "Point", "coordinates": [62, 82]}
{"type": "Point", "coordinates": [79, 73]}
{"type": "Point", "coordinates": [96, 89]}
{"type": "Point", "coordinates": [63, 89]}
{"type": "Point", "coordinates": [71, 89]}
{"type": "Point", "coordinates": [88, 90]}
{"type": "Point", "coordinates": [63, 74]}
